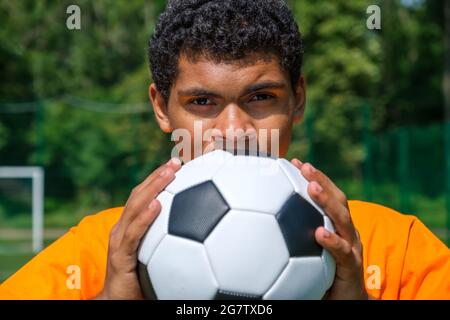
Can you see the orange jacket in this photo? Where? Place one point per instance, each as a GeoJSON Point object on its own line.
{"type": "Point", "coordinates": [402, 259]}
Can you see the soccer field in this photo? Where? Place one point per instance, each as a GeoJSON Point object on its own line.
{"type": "Point", "coordinates": [11, 262]}
{"type": "Point", "coordinates": [16, 248]}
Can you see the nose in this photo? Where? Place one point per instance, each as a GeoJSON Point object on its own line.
{"type": "Point", "coordinates": [232, 118]}
{"type": "Point", "coordinates": [235, 126]}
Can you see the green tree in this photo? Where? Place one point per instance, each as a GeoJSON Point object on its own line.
{"type": "Point", "coordinates": [341, 67]}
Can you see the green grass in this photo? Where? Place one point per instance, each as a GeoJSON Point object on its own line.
{"type": "Point", "coordinates": [64, 218]}
{"type": "Point", "coordinates": [10, 263]}
{"type": "Point", "coordinates": [14, 254]}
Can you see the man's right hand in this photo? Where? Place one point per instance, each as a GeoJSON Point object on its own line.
{"type": "Point", "coordinates": [141, 209]}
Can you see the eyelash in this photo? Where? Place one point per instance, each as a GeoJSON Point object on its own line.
{"type": "Point", "coordinates": [268, 96]}
{"type": "Point", "coordinates": [201, 98]}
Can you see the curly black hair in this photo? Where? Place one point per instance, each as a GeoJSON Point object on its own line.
{"type": "Point", "coordinates": [224, 31]}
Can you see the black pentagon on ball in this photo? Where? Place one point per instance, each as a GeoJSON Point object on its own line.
{"type": "Point", "coordinates": [196, 211]}
{"type": "Point", "coordinates": [298, 220]}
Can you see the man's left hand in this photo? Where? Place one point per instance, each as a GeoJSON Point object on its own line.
{"type": "Point", "coordinates": [344, 244]}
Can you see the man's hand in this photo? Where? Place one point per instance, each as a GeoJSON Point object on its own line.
{"type": "Point", "coordinates": [140, 211]}
{"type": "Point", "coordinates": [344, 245]}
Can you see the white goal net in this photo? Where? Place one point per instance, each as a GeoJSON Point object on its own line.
{"type": "Point", "coordinates": [36, 174]}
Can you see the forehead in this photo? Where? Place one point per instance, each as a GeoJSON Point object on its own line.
{"type": "Point", "coordinates": [210, 73]}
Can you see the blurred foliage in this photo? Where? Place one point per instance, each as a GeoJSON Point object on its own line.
{"type": "Point", "coordinates": [340, 67]}
{"type": "Point", "coordinates": [92, 127]}
{"type": "Point", "coordinates": [76, 101]}
{"type": "Point", "coordinates": [396, 71]}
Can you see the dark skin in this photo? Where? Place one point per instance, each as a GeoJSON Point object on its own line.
{"type": "Point", "coordinates": [232, 96]}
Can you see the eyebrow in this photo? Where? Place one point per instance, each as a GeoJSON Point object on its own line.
{"type": "Point", "coordinates": [199, 91]}
{"type": "Point", "coordinates": [264, 85]}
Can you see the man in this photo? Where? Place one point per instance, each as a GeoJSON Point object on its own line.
{"type": "Point", "coordinates": [236, 65]}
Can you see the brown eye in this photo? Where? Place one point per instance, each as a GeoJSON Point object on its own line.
{"type": "Point", "coordinates": [261, 97]}
{"type": "Point", "coordinates": [202, 101]}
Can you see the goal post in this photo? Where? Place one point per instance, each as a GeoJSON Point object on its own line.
{"type": "Point", "coordinates": [36, 174]}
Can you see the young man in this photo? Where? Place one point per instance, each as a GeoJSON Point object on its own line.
{"type": "Point", "coordinates": [236, 64]}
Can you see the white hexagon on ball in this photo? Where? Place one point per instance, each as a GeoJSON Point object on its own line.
{"type": "Point", "coordinates": [179, 269]}
{"type": "Point", "coordinates": [256, 191]}
{"type": "Point", "coordinates": [303, 279]}
{"type": "Point", "coordinates": [159, 229]}
{"type": "Point", "coordinates": [247, 252]}
{"type": "Point", "coordinates": [198, 170]}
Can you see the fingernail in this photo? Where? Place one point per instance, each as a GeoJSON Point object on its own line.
{"type": "Point", "coordinates": [317, 187]}
{"type": "Point", "coordinates": [152, 204]}
{"type": "Point", "coordinates": [164, 173]}
{"type": "Point", "coordinates": [326, 233]}
{"type": "Point", "coordinates": [175, 161]}
{"type": "Point", "coordinates": [298, 162]}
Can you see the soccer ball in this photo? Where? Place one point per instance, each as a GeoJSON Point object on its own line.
{"type": "Point", "coordinates": [236, 227]}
